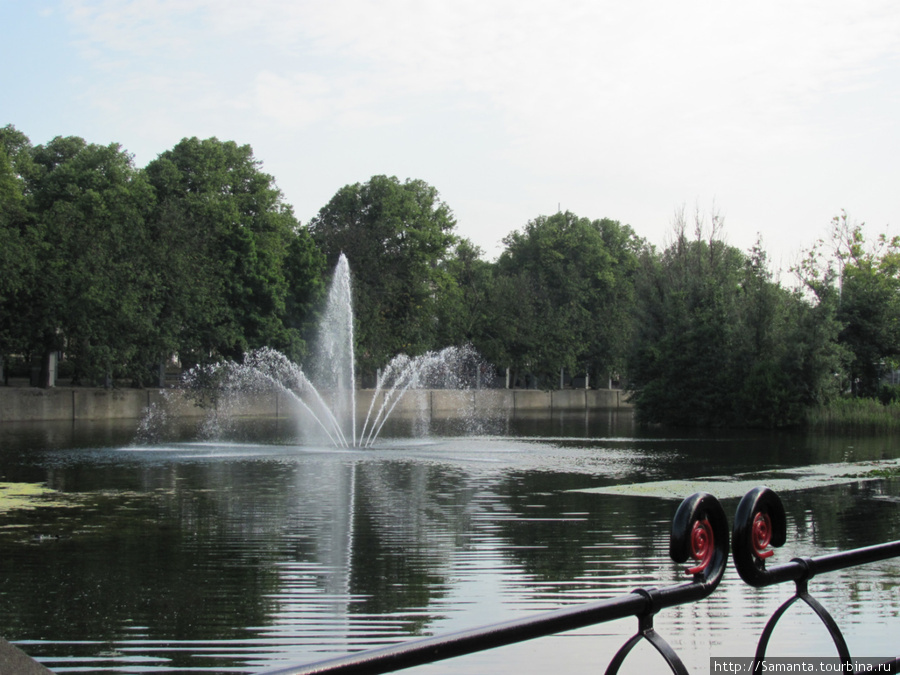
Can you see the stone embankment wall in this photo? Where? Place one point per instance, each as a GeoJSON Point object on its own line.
{"type": "Point", "coordinates": [28, 404]}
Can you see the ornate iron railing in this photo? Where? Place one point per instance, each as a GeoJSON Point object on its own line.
{"type": "Point", "coordinates": [760, 526]}
{"type": "Point", "coordinates": [699, 534]}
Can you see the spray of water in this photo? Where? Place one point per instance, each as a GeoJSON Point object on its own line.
{"type": "Point", "coordinates": [329, 395]}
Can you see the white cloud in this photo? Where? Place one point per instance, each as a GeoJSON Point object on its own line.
{"type": "Point", "coordinates": [647, 64]}
{"type": "Point", "coordinates": [618, 108]}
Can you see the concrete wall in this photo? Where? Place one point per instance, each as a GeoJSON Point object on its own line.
{"type": "Point", "coordinates": [29, 404]}
{"type": "Point", "coordinates": [437, 401]}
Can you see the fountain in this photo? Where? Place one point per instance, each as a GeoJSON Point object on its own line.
{"type": "Point", "coordinates": [328, 395]}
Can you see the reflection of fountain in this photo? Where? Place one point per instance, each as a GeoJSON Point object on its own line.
{"type": "Point", "coordinates": [329, 395]}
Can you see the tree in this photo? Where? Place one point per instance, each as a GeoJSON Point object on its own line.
{"type": "Point", "coordinates": [681, 369]}
{"type": "Point", "coordinates": [17, 252]}
{"type": "Point", "coordinates": [120, 268]}
{"type": "Point", "coordinates": [718, 343]}
{"type": "Point", "coordinates": [789, 350]}
{"type": "Point", "coordinates": [863, 278]}
{"type": "Point", "coordinates": [222, 236]}
{"type": "Point", "coordinates": [87, 204]}
{"type": "Point", "coordinates": [396, 237]}
{"type": "Point", "coordinates": [463, 310]}
{"type": "Point", "coordinates": [304, 269]}
{"type": "Point", "coordinates": [575, 278]}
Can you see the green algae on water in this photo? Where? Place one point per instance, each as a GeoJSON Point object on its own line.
{"type": "Point", "coordinates": [28, 496]}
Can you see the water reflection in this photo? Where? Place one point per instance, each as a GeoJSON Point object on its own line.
{"type": "Point", "coordinates": [195, 554]}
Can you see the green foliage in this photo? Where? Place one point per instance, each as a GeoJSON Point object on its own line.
{"type": "Point", "coordinates": [682, 368]}
{"type": "Point", "coordinates": [121, 268]}
{"type": "Point", "coordinates": [396, 237]}
{"type": "Point", "coordinates": [17, 250]}
{"type": "Point", "coordinates": [563, 296]}
{"type": "Point", "coordinates": [197, 255]}
{"type": "Point", "coordinates": [886, 472]}
{"type": "Point", "coordinates": [304, 269]}
{"type": "Point", "coordinates": [235, 270]}
{"type": "Point", "coordinates": [463, 310]}
{"type": "Point", "coordinates": [863, 279]}
{"type": "Point", "coordinates": [888, 394]}
{"type": "Point", "coordinates": [86, 207]}
{"type": "Point", "coordinates": [720, 344]}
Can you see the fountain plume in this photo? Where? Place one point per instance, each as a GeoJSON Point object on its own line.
{"type": "Point", "coordinates": [329, 396]}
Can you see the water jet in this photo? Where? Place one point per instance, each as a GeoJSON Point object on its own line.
{"type": "Point", "coordinates": [327, 396]}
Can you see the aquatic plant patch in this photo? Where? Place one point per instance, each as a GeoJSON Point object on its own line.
{"type": "Point", "coordinates": [780, 480]}
{"type": "Point", "coordinates": [29, 496]}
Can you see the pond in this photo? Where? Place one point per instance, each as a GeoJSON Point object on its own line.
{"type": "Point", "coordinates": [241, 551]}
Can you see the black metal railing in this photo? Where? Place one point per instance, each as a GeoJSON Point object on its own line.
{"type": "Point", "coordinates": [699, 534]}
{"type": "Point", "coordinates": [760, 526]}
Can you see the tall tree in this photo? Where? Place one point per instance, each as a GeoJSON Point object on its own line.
{"type": "Point", "coordinates": [682, 367]}
{"type": "Point", "coordinates": [787, 352]}
{"type": "Point", "coordinates": [869, 302]}
{"type": "Point", "coordinates": [304, 269]}
{"type": "Point", "coordinates": [719, 343]}
{"type": "Point", "coordinates": [88, 204]}
{"type": "Point", "coordinates": [17, 249]}
{"type": "Point", "coordinates": [223, 234]}
{"type": "Point", "coordinates": [463, 310]}
{"type": "Point", "coordinates": [577, 279]}
{"type": "Point", "coordinates": [396, 235]}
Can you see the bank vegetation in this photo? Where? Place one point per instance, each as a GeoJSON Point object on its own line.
{"type": "Point", "coordinates": [196, 257]}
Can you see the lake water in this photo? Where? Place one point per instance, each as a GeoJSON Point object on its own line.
{"type": "Point", "coordinates": [242, 551]}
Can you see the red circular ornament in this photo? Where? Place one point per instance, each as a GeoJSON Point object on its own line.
{"type": "Point", "coordinates": [762, 535]}
{"type": "Point", "coordinates": [702, 545]}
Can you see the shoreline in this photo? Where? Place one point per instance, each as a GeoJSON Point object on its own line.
{"type": "Point", "coordinates": [32, 404]}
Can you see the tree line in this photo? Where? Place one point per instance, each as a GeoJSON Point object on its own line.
{"type": "Point", "coordinates": [197, 255]}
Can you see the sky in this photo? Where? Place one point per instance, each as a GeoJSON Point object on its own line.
{"type": "Point", "coordinates": [775, 115]}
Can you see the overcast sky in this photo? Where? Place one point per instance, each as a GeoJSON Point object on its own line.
{"type": "Point", "coordinates": [776, 114]}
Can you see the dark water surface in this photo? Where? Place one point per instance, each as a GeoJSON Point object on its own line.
{"type": "Point", "coordinates": [189, 553]}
